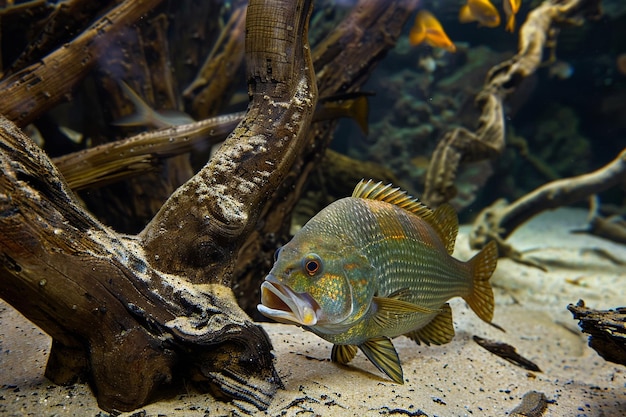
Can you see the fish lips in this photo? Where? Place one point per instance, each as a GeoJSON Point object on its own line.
{"type": "Point", "coordinates": [281, 303]}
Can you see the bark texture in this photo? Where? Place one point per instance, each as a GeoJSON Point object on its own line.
{"type": "Point", "coordinates": [130, 313]}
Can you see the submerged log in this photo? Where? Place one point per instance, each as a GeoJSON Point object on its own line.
{"type": "Point", "coordinates": [132, 313]}
{"type": "Point", "coordinates": [30, 92]}
{"type": "Point", "coordinates": [499, 220]}
{"type": "Point", "coordinates": [606, 329]}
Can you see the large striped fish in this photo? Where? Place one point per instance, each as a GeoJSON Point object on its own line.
{"type": "Point", "coordinates": [374, 266]}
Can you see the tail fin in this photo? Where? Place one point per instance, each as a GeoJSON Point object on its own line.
{"type": "Point", "coordinates": [510, 24]}
{"type": "Point", "coordinates": [483, 265]}
{"type": "Point", "coordinates": [359, 112]}
{"type": "Point", "coordinates": [144, 115]}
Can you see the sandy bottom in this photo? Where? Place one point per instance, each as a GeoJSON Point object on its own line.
{"type": "Point", "coordinates": [458, 379]}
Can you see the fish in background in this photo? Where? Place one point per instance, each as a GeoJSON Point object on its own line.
{"type": "Point", "coordinates": [620, 63]}
{"type": "Point", "coordinates": [481, 11]}
{"type": "Point", "coordinates": [352, 105]}
{"type": "Point", "coordinates": [146, 116]}
{"type": "Point", "coordinates": [560, 69]}
{"type": "Point", "coordinates": [373, 266]}
{"type": "Point", "coordinates": [511, 7]}
{"type": "Point", "coordinates": [428, 29]}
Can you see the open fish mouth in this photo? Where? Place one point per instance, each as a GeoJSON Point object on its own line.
{"type": "Point", "coordinates": [281, 303]}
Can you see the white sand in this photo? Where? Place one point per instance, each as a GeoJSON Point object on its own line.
{"type": "Point", "coordinates": [458, 379]}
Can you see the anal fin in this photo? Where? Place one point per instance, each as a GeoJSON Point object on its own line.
{"type": "Point", "coordinates": [343, 353]}
{"type": "Point", "coordinates": [383, 355]}
{"type": "Point", "coordinates": [438, 332]}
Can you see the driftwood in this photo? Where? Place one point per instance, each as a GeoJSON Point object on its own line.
{"type": "Point", "coordinates": [499, 220]}
{"type": "Point", "coordinates": [607, 330]}
{"type": "Point", "coordinates": [147, 309]}
{"type": "Point", "coordinates": [506, 352]}
{"type": "Point", "coordinates": [146, 152]}
{"type": "Point", "coordinates": [612, 228]}
{"type": "Point", "coordinates": [142, 153]}
{"type": "Point", "coordinates": [65, 22]}
{"type": "Point", "coordinates": [30, 92]}
{"type": "Point", "coordinates": [461, 145]}
{"type": "Point", "coordinates": [131, 313]}
{"type": "Point", "coordinates": [217, 74]}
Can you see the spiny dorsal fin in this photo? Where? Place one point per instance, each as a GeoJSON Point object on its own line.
{"type": "Point", "coordinates": [438, 332]}
{"type": "Point", "coordinates": [381, 352]}
{"type": "Point", "coordinates": [343, 353]}
{"type": "Point", "coordinates": [443, 219]}
{"type": "Point", "coordinates": [388, 193]}
{"type": "Point", "coordinates": [446, 224]}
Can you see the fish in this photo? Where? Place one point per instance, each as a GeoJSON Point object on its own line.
{"type": "Point", "coordinates": [428, 29]}
{"type": "Point", "coordinates": [481, 11]}
{"type": "Point", "coordinates": [374, 266]}
{"type": "Point", "coordinates": [351, 105]}
{"type": "Point", "coordinates": [620, 63]}
{"type": "Point", "coordinates": [511, 7]}
{"type": "Point", "coordinates": [561, 70]}
{"type": "Point", "coordinates": [145, 115]}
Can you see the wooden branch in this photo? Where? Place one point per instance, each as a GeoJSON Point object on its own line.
{"type": "Point", "coordinates": [194, 29]}
{"type": "Point", "coordinates": [37, 88]}
{"type": "Point", "coordinates": [487, 141]}
{"type": "Point", "coordinates": [254, 159]}
{"type": "Point", "coordinates": [207, 92]}
{"type": "Point", "coordinates": [132, 313]}
{"type": "Point", "coordinates": [345, 59]}
{"type": "Point", "coordinates": [142, 153]}
{"type": "Point", "coordinates": [66, 21]}
{"type": "Point", "coordinates": [500, 219]}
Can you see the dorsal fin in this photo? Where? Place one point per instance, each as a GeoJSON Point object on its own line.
{"type": "Point", "coordinates": [443, 219]}
{"type": "Point", "coordinates": [387, 193]}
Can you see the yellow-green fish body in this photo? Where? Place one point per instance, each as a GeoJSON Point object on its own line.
{"type": "Point", "coordinates": [374, 266]}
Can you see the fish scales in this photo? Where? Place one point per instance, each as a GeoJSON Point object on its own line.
{"type": "Point", "coordinates": [374, 266]}
{"type": "Point", "coordinates": [407, 253]}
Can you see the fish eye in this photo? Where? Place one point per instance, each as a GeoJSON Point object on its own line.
{"type": "Point", "coordinates": [312, 264]}
{"type": "Point", "coordinates": [276, 253]}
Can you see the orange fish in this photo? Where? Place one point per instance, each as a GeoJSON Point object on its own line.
{"type": "Point", "coordinates": [481, 11]}
{"type": "Point", "coordinates": [621, 63]}
{"type": "Point", "coordinates": [428, 29]}
{"type": "Point", "coordinates": [511, 7]}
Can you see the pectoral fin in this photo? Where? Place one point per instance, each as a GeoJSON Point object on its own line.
{"type": "Point", "coordinates": [389, 311]}
{"type": "Point", "coordinates": [438, 332]}
{"type": "Point", "coordinates": [401, 294]}
{"type": "Point", "coordinates": [382, 354]}
{"type": "Point", "coordinates": [343, 353]}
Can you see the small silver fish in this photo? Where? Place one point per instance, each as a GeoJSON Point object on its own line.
{"type": "Point", "coordinates": [145, 115]}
